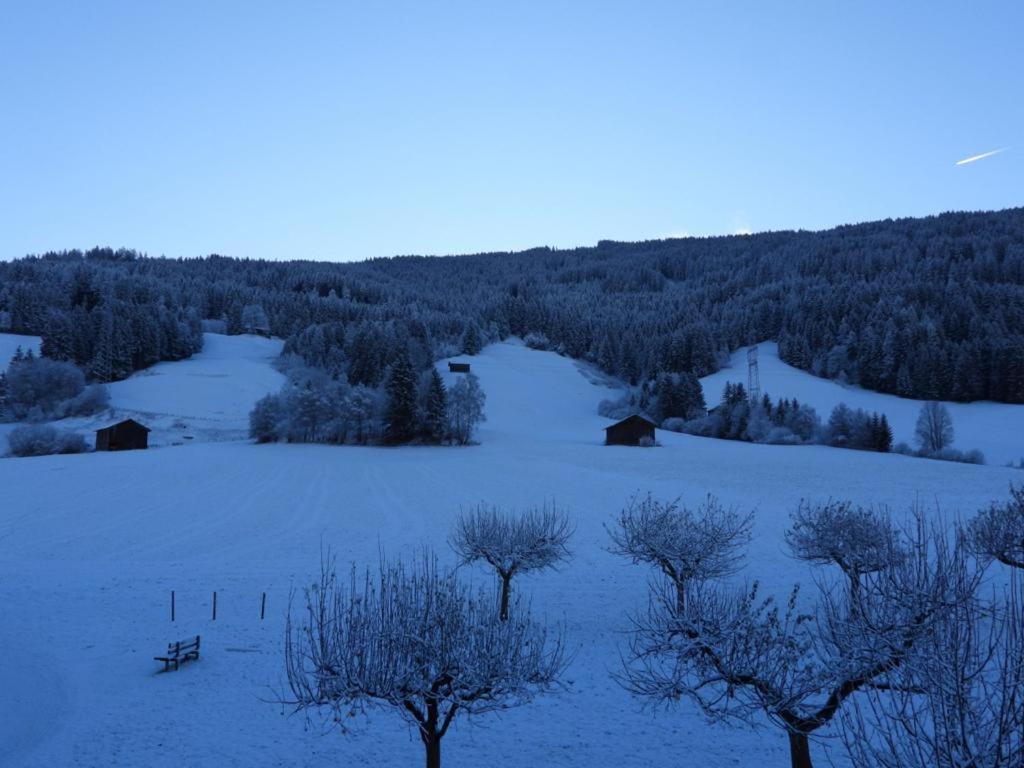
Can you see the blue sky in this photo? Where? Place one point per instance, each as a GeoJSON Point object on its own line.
{"type": "Point", "coordinates": [344, 131]}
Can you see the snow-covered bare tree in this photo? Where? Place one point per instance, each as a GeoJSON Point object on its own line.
{"type": "Point", "coordinates": [415, 640]}
{"type": "Point", "coordinates": [465, 408]}
{"type": "Point", "coordinates": [998, 532]}
{"type": "Point", "coordinates": [857, 539]}
{"type": "Point", "coordinates": [934, 429]}
{"type": "Point", "coordinates": [961, 701]}
{"type": "Point", "coordinates": [512, 542]}
{"type": "Point", "coordinates": [687, 545]}
{"type": "Point", "coordinates": [742, 658]}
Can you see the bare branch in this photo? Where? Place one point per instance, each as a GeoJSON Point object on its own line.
{"type": "Point", "coordinates": [512, 543]}
{"type": "Point", "coordinates": [416, 640]}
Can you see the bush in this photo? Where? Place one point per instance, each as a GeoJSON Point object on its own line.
{"type": "Point", "coordinates": [952, 454]}
{"type": "Point", "coordinates": [44, 440]}
{"type": "Point", "coordinates": [537, 341]}
{"type": "Point", "coordinates": [92, 399]}
{"type": "Point", "coordinates": [619, 408]}
{"type": "Point", "coordinates": [37, 387]}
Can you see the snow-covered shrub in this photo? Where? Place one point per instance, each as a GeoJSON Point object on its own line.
{"type": "Point", "coordinates": [44, 440]}
{"type": "Point", "coordinates": [646, 442]}
{"type": "Point", "coordinates": [673, 424]}
{"type": "Point", "coordinates": [781, 436]}
{"type": "Point", "coordinates": [37, 387]}
{"type": "Point", "coordinates": [973, 456]}
{"type": "Point", "coordinates": [93, 399]}
{"type": "Point", "coordinates": [711, 425]}
{"type": "Point", "coordinates": [618, 409]}
{"type": "Point", "coordinates": [265, 419]}
{"type": "Point", "coordinates": [536, 340]}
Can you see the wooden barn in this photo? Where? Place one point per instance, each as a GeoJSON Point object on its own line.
{"type": "Point", "coordinates": [629, 431]}
{"type": "Point", "coordinates": [458, 367]}
{"type": "Point", "coordinates": [126, 435]}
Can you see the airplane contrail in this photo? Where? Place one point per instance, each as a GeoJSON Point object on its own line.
{"type": "Point", "coordinates": [982, 156]}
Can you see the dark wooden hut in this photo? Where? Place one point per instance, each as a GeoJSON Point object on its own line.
{"type": "Point", "coordinates": [630, 431]}
{"type": "Point", "coordinates": [458, 367]}
{"type": "Point", "coordinates": [126, 435]}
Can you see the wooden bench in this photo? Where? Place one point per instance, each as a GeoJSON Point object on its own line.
{"type": "Point", "coordinates": [179, 652]}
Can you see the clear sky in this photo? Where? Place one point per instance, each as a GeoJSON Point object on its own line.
{"type": "Point", "coordinates": [349, 130]}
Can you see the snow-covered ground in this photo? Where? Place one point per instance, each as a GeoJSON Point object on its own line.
{"type": "Point", "coordinates": [92, 545]}
{"type": "Point", "coordinates": [205, 398]}
{"type": "Point", "coordinates": [208, 396]}
{"type": "Point", "coordinates": [996, 429]}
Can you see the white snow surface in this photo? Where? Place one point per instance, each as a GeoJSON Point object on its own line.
{"type": "Point", "coordinates": [996, 429]}
{"type": "Point", "coordinates": [205, 398]}
{"type": "Point", "coordinates": [92, 545]}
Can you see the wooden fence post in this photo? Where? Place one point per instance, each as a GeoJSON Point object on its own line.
{"type": "Point", "coordinates": [263, 606]}
{"type": "Point", "coordinates": [214, 606]}
{"type": "Point", "coordinates": [172, 605]}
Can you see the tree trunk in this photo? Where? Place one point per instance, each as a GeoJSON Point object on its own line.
{"type": "Point", "coordinates": [506, 589]}
{"type": "Point", "coordinates": [430, 736]}
{"type": "Point", "coordinates": [680, 597]}
{"type": "Point", "coordinates": [433, 748]}
{"type": "Point", "coordinates": [799, 750]}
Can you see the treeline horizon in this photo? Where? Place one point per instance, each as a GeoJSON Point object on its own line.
{"type": "Point", "coordinates": [928, 308]}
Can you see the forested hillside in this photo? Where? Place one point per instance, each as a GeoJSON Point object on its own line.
{"type": "Point", "coordinates": [925, 308]}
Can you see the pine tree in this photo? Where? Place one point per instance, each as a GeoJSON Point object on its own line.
{"type": "Point", "coordinates": [435, 412]}
{"type": "Point", "coordinates": [400, 413]}
{"type": "Point", "coordinates": [471, 342]}
{"type": "Point", "coordinates": [884, 435]}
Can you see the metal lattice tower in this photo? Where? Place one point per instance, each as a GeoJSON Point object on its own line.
{"type": "Point", "coordinates": [753, 376]}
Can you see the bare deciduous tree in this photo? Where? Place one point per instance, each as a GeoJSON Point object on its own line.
{"type": "Point", "coordinates": [858, 540]}
{"type": "Point", "coordinates": [998, 532]}
{"type": "Point", "coordinates": [416, 640]}
{"type": "Point", "coordinates": [742, 657]}
{"type": "Point", "coordinates": [512, 543]}
{"type": "Point", "coordinates": [686, 545]}
{"type": "Point", "coordinates": [934, 428]}
{"type": "Point", "coordinates": [962, 705]}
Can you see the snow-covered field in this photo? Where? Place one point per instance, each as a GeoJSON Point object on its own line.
{"type": "Point", "coordinates": [92, 545]}
{"type": "Point", "coordinates": [208, 396]}
{"type": "Point", "coordinates": [205, 398]}
{"type": "Point", "coordinates": [996, 429]}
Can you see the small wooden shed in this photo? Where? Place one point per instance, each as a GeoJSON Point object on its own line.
{"type": "Point", "coordinates": [126, 435]}
{"type": "Point", "coordinates": [630, 431]}
{"type": "Point", "coordinates": [458, 367]}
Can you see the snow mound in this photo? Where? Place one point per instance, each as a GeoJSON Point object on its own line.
{"type": "Point", "coordinates": [993, 428]}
